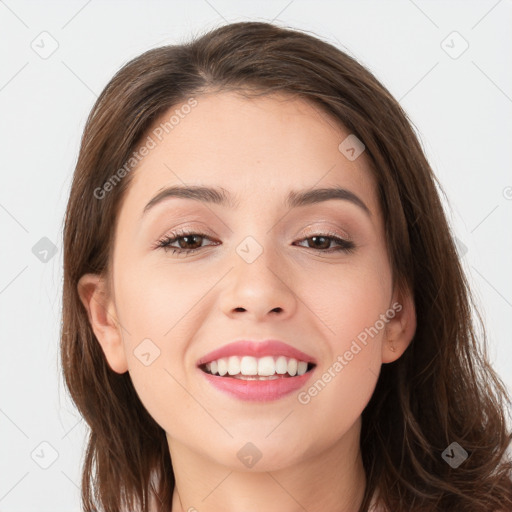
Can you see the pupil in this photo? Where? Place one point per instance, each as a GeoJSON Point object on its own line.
{"type": "Point", "coordinates": [186, 240]}
{"type": "Point", "coordinates": [316, 238]}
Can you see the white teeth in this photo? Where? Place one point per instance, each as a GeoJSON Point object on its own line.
{"type": "Point", "coordinates": [292, 366]}
{"type": "Point", "coordinates": [250, 366]}
{"type": "Point", "coordinates": [266, 366]}
{"type": "Point", "coordinates": [222, 366]}
{"type": "Point", "coordinates": [281, 365]}
{"type": "Point", "coordinates": [302, 366]}
{"type": "Point", "coordinates": [233, 365]}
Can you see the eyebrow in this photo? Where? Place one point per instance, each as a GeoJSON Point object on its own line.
{"type": "Point", "coordinates": [222, 197]}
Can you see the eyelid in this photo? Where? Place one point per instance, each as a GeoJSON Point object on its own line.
{"type": "Point", "coordinates": [311, 229]}
{"type": "Point", "coordinates": [311, 232]}
{"type": "Point", "coordinates": [179, 232]}
{"type": "Point", "coordinates": [200, 227]}
{"type": "Point", "coordinates": [314, 229]}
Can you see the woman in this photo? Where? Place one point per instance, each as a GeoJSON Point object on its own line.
{"type": "Point", "coordinates": [263, 306]}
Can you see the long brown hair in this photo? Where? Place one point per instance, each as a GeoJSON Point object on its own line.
{"type": "Point", "coordinates": [441, 391]}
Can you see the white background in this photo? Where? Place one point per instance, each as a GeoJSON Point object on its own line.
{"type": "Point", "coordinates": [462, 109]}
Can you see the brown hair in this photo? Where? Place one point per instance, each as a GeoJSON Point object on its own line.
{"type": "Point", "coordinates": [442, 390]}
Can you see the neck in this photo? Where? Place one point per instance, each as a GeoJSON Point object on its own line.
{"type": "Point", "coordinates": [331, 479]}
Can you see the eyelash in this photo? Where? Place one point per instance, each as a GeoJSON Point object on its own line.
{"type": "Point", "coordinates": [344, 245]}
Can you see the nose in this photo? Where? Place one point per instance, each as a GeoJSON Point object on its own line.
{"type": "Point", "coordinates": [259, 289]}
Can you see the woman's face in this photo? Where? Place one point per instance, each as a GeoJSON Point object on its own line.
{"type": "Point", "coordinates": [267, 267]}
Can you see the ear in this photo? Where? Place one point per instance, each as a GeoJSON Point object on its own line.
{"type": "Point", "coordinates": [400, 328]}
{"type": "Point", "coordinates": [92, 289]}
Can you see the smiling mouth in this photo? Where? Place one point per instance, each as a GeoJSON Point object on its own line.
{"type": "Point", "coordinates": [252, 368]}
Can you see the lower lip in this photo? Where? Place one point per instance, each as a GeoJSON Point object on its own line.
{"type": "Point", "coordinates": [257, 390]}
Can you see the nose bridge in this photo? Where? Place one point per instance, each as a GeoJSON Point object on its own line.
{"type": "Point", "coordinates": [258, 281]}
{"type": "Point", "coordinates": [257, 244]}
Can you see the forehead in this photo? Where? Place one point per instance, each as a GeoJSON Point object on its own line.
{"type": "Point", "coordinates": [250, 146]}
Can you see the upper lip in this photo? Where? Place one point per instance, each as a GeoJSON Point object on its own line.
{"type": "Point", "coordinates": [256, 349]}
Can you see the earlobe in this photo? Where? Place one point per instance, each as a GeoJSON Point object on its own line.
{"type": "Point", "coordinates": [400, 329]}
{"type": "Point", "coordinates": [100, 309]}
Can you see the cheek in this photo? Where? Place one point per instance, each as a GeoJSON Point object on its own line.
{"type": "Point", "coordinates": [345, 380]}
{"type": "Point", "coordinates": [161, 306]}
{"type": "Point", "coordinates": [156, 301]}
{"type": "Point", "coordinates": [157, 315]}
{"type": "Point", "coordinates": [350, 305]}
{"type": "Point", "coordinates": [348, 299]}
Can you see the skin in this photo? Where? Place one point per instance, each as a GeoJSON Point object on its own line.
{"type": "Point", "coordinates": [258, 149]}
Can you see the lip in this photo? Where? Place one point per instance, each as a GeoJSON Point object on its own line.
{"type": "Point", "coordinates": [256, 349]}
{"type": "Point", "coordinates": [257, 390]}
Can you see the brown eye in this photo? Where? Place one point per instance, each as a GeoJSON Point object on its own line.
{"type": "Point", "coordinates": [190, 240]}
{"type": "Point", "coordinates": [322, 243]}
{"type": "Point", "coordinates": [187, 242]}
